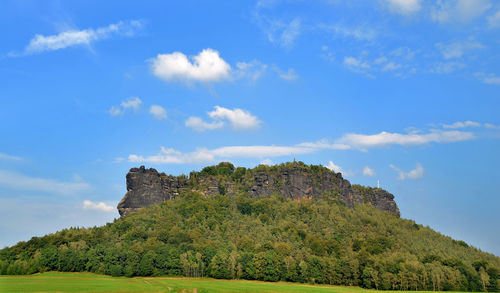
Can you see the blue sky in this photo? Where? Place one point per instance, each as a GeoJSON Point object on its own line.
{"type": "Point", "coordinates": [402, 91]}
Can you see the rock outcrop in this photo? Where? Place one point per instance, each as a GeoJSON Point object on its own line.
{"type": "Point", "coordinates": [146, 187]}
{"type": "Point", "coordinates": [296, 181]}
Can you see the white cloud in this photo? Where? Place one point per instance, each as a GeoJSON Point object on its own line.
{"type": "Point", "coordinates": [203, 155]}
{"type": "Point", "coordinates": [460, 124]}
{"type": "Point", "coordinates": [494, 20]}
{"type": "Point", "coordinates": [239, 119]}
{"type": "Point", "coordinates": [458, 49]}
{"type": "Point", "coordinates": [71, 38]}
{"type": "Point", "coordinates": [97, 206]}
{"type": "Point", "coordinates": [367, 171]}
{"type": "Point", "coordinates": [133, 103]}
{"type": "Point", "coordinates": [348, 141]}
{"type": "Point", "coordinates": [266, 162]}
{"type": "Point", "coordinates": [22, 182]}
{"type": "Point", "coordinates": [206, 67]}
{"type": "Point", "coordinates": [334, 167]}
{"type": "Point", "coordinates": [404, 7]}
{"type": "Point", "coordinates": [338, 169]}
{"type": "Point", "coordinates": [416, 173]}
{"type": "Point", "coordinates": [364, 141]}
{"type": "Point", "coordinates": [172, 156]}
{"type": "Point", "coordinates": [198, 124]}
{"type": "Point", "coordinates": [158, 112]}
{"type": "Point", "coordinates": [9, 157]}
{"type": "Point", "coordinates": [462, 11]}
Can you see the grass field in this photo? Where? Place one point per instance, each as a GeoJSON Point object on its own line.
{"type": "Point", "coordinates": [87, 282]}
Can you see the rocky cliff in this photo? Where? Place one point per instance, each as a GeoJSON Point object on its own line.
{"type": "Point", "coordinates": [292, 180]}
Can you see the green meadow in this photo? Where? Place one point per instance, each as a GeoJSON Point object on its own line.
{"type": "Point", "coordinates": [88, 282]}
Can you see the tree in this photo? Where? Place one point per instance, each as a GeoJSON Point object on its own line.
{"type": "Point", "coordinates": [146, 266]}
{"type": "Point", "coordinates": [219, 266]}
{"type": "Point", "coordinates": [493, 285]}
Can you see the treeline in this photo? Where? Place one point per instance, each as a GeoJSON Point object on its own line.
{"type": "Point", "coordinates": [270, 239]}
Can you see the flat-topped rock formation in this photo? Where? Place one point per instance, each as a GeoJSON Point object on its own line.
{"type": "Point", "coordinates": [295, 180]}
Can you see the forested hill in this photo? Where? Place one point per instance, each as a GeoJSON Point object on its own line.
{"type": "Point", "coordinates": [316, 240]}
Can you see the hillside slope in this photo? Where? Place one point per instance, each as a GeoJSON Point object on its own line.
{"type": "Point", "coordinates": [318, 240]}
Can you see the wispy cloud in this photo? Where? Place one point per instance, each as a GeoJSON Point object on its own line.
{"type": "Point", "coordinates": [365, 141]}
{"type": "Point", "coordinates": [462, 11]}
{"type": "Point", "coordinates": [404, 7]}
{"type": "Point", "coordinates": [278, 31]}
{"type": "Point", "coordinates": [202, 155]}
{"type": "Point", "coordinates": [133, 103]}
{"type": "Point", "coordinates": [205, 67]}
{"type": "Point", "coordinates": [198, 124]}
{"type": "Point", "coordinates": [455, 50]}
{"type": "Point", "coordinates": [97, 206]}
{"type": "Point", "coordinates": [288, 75]}
{"type": "Point", "coordinates": [283, 33]}
{"type": "Point", "coordinates": [325, 144]}
{"type": "Point", "coordinates": [398, 62]}
{"type": "Point", "coordinates": [488, 78]}
{"type": "Point", "coordinates": [494, 20]}
{"type": "Point", "coordinates": [360, 33]}
{"type": "Point", "coordinates": [73, 38]}
{"type": "Point", "coordinates": [239, 119]}
{"type": "Point", "coordinates": [361, 142]}
{"type": "Point", "coordinates": [355, 64]}
{"type": "Point", "coordinates": [491, 126]}
{"type": "Point", "coordinates": [416, 173]}
{"type": "Point", "coordinates": [447, 67]}
{"type": "Point", "coordinates": [462, 124]}
{"type": "Point", "coordinates": [22, 182]}
{"type": "Point", "coordinates": [9, 157]}
{"type": "Point", "coordinates": [252, 70]}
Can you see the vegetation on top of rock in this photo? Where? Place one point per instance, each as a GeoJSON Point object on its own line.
{"type": "Point", "coordinates": [294, 180]}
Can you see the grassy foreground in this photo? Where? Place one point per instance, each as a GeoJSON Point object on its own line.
{"type": "Point", "coordinates": [88, 282]}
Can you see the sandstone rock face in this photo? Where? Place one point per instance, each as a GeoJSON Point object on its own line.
{"type": "Point", "coordinates": [147, 187]}
{"type": "Point", "coordinates": [299, 182]}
